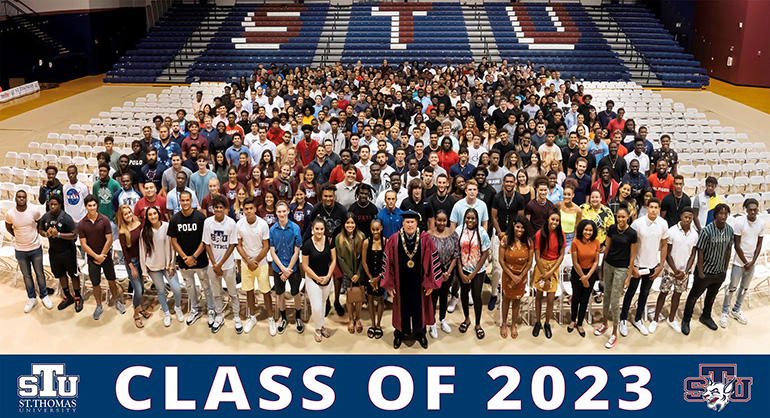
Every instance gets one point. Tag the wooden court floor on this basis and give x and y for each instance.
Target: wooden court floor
(43, 331)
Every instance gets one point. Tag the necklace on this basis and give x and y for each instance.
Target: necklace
(439, 199)
(410, 263)
(508, 203)
(678, 202)
(328, 212)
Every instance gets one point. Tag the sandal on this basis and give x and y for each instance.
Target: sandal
(504, 331)
(480, 333)
(370, 332)
(378, 333)
(144, 313)
(514, 332)
(318, 336)
(359, 326)
(464, 326)
(352, 327)
(138, 322)
(324, 332)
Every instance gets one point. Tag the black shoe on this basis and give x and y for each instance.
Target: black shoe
(536, 329)
(78, 303)
(708, 322)
(686, 327)
(547, 329)
(338, 307)
(282, 326)
(582, 333)
(423, 340)
(64, 303)
(397, 342)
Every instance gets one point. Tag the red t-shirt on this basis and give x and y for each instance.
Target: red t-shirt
(206, 205)
(662, 187)
(306, 152)
(552, 249)
(231, 130)
(143, 203)
(338, 175)
(447, 159)
(275, 136)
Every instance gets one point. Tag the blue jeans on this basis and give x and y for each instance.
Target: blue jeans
(738, 275)
(27, 261)
(136, 282)
(160, 286)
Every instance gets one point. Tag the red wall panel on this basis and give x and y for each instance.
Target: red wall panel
(718, 35)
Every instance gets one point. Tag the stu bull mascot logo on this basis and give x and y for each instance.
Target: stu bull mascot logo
(717, 385)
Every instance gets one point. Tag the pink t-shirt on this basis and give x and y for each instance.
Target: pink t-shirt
(25, 227)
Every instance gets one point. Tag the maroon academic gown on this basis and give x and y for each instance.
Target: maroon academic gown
(431, 276)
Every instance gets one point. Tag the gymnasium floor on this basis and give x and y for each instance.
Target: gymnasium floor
(44, 331)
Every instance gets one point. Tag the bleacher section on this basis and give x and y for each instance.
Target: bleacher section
(658, 47)
(407, 31)
(254, 34)
(145, 63)
(554, 35)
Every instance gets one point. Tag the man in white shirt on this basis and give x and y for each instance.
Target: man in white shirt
(394, 184)
(652, 247)
(74, 191)
(639, 155)
(220, 238)
(259, 146)
(749, 232)
(252, 136)
(253, 245)
(364, 163)
(260, 99)
(336, 135)
(21, 223)
(680, 259)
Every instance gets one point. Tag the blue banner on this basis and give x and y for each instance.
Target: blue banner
(384, 386)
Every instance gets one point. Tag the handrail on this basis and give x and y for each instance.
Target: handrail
(29, 9)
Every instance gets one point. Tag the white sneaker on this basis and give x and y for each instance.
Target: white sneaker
(433, 331)
(611, 342)
(167, 319)
(31, 303)
(47, 302)
(624, 328)
(450, 307)
(271, 326)
(723, 320)
(738, 316)
(250, 323)
(217, 325)
(238, 324)
(445, 326)
(653, 326)
(640, 326)
(675, 326)
(179, 314)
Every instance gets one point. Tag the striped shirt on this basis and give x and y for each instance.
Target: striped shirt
(716, 245)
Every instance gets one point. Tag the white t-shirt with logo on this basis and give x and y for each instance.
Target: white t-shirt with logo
(25, 227)
(749, 233)
(73, 200)
(252, 236)
(219, 236)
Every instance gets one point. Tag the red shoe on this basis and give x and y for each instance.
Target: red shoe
(611, 342)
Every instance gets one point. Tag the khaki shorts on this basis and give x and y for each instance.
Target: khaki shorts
(668, 281)
(261, 275)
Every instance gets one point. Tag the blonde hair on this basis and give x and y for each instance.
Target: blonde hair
(122, 225)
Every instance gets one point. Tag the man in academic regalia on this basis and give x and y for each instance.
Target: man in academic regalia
(412, 272)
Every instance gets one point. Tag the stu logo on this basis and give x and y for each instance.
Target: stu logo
(717, 386)
(47, 390)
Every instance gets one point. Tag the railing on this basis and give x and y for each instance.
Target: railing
(636, 58)
(12, 8)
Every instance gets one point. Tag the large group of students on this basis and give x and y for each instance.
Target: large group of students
(415, 184)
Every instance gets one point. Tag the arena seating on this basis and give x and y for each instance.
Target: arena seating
(554, 35)
(659, 49)
(145, 63)
(403, 31)
(282, 34)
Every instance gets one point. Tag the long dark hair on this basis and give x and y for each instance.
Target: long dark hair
(478, 225)
(147, 230)
(545, 234)
(224, 160)
(510, 233)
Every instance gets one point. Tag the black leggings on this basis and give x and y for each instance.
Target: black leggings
(440, 297)
(580, 296)
(475, 287)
